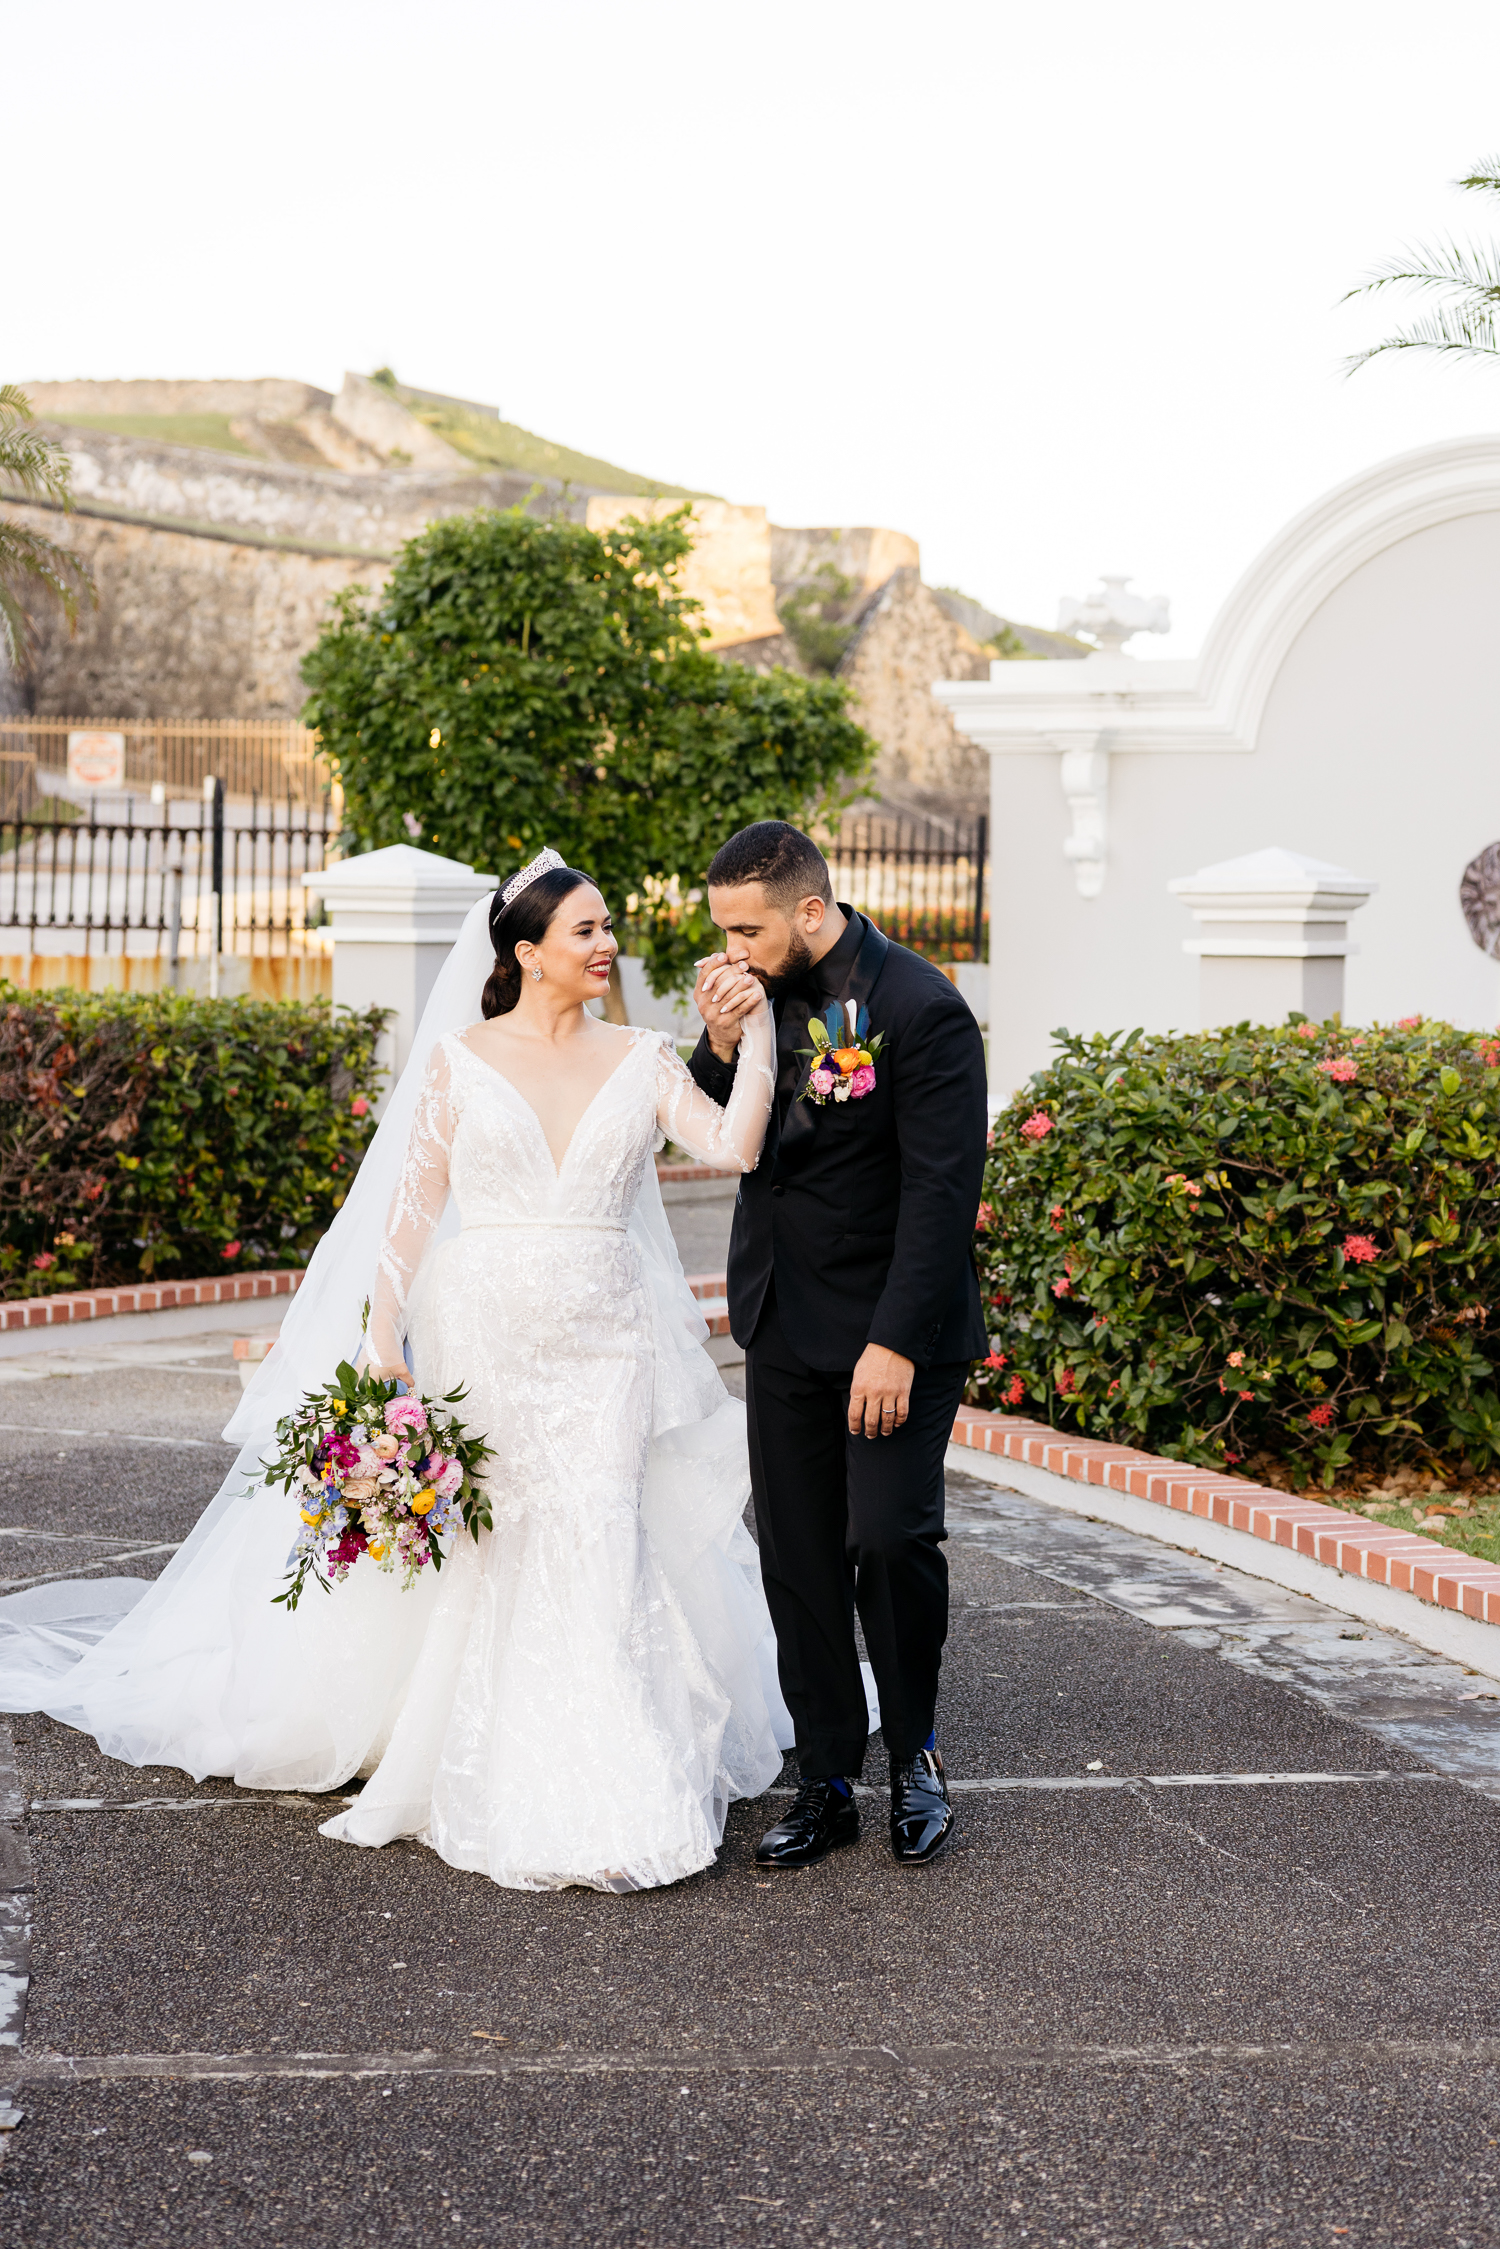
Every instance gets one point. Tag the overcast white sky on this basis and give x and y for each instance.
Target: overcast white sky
(1053, 289)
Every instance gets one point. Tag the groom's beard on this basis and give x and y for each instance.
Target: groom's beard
(790, 969)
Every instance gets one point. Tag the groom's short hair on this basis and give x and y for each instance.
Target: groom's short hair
(787, 864)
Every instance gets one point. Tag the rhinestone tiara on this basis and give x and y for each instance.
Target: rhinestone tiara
(543, 864)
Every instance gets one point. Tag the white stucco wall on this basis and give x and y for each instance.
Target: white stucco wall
(1378, 749)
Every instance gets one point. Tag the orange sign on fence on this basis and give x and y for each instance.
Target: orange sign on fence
(96, 760)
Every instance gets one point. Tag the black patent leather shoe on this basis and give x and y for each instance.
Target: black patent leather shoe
(921, 1815)
(820, 1820)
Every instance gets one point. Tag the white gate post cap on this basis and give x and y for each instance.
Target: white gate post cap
(1272, 885)
(399, 896)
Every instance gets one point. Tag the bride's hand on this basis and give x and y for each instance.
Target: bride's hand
(726, 997)
(391, 1374)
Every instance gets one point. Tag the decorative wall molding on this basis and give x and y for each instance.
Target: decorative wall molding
(1214, 701)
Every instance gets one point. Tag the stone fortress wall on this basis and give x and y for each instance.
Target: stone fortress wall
(215, 559)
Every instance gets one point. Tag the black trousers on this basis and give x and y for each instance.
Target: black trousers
(849, 1523)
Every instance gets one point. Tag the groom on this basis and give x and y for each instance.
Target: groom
(853, 1293)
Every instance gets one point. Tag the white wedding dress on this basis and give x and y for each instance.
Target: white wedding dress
(577, 1697)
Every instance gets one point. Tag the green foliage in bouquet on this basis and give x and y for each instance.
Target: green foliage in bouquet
(374, 1474)
(147, 1135)
(523, 681)
(1252, 1239)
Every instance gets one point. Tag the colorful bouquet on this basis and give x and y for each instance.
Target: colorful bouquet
(843, 1060)
(375, 1474)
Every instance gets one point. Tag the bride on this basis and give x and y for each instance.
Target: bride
(577, 1697)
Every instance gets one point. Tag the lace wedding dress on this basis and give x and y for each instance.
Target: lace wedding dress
(597, 1679)
(577, 1697)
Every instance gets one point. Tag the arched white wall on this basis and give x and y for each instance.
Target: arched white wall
(1376, 745)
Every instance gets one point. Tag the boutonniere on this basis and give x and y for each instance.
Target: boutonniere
(842, 1054)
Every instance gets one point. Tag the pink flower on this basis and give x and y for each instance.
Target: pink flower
(996, 1359)
(1321, 1416)
(1236, 1358)
(1247, 1394)
(359, 1106)
(385, 1448)
(230, 1249)
(1062, 1287)
(1066, 1381)
(411, 824)
(1408, 1022)
(1308, 1030)
(862, 1081)
(1037, 1125)
(1114, 1386)
(1016, 1392)
(1359, 1250)
(1055, 1214)
(450, 1479)
(1489, 1055)
(1342, 1070)
(823, 1082)
(44, 1261)
(985, 1216)
(405, 1413)
(368, 1461)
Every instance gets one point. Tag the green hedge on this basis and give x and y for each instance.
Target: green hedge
(152, 1135)
(1252, 1241)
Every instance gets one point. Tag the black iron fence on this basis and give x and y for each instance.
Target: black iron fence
(219, 885)
(921, 880)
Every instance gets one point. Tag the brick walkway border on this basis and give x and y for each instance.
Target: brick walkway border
(1398, 1559)
(146, 1296)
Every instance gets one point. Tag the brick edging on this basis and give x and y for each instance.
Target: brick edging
(144, 1296)
(1400, 1559)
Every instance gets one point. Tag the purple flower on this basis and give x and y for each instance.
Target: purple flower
(823, 1082)
(862, 1082)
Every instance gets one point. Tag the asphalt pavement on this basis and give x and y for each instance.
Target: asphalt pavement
(1213, 1960)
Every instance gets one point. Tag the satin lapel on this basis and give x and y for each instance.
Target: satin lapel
(802, 1117)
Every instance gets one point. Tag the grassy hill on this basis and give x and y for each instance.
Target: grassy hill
(494, 444)
(210, 431)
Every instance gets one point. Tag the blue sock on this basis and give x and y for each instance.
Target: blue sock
(841, 1785)
(931, 1741)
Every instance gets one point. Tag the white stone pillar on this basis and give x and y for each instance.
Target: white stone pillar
(1275, 935)
(396, 914)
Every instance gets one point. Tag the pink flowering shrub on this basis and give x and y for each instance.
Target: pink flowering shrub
(1244, 1241)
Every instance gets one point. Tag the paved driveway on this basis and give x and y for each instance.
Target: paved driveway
(1213, 1962)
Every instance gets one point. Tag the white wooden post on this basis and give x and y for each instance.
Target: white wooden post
(1275, 935)
(396, 914)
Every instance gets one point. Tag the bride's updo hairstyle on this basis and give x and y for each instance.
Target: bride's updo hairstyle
(525, 921)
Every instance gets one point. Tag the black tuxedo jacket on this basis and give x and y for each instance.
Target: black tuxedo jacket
(863, 1211)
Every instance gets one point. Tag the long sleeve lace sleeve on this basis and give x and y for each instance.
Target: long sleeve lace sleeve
(733, 1134)
(417, 1205)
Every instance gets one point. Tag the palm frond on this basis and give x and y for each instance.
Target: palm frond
(1470, 332)
(26, 556)
(1485, 176)
(37, 464)
(1473, 268)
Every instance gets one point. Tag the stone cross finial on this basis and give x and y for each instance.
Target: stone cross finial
(1110, 615)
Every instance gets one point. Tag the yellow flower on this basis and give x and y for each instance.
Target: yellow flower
(311, 1515)
(424, 1501)
(377, 1553)
(338, 1405)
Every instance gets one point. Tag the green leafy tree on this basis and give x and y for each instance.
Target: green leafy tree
(522, 681)
(33, 467)
(1465, 278)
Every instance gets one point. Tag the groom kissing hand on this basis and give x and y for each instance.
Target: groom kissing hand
(853, 1293)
